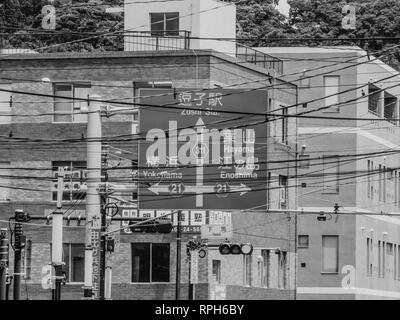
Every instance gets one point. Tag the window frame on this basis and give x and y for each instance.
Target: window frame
(303, 246)
(151, 262)
(69, 276)
(73, 84)
(330, 109)
(164, 32)
(337, 255)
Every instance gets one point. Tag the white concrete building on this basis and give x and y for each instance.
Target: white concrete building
(183, 24)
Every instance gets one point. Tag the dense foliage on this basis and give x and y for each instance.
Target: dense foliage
(258, 22)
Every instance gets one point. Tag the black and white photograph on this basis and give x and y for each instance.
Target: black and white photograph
(199, 155)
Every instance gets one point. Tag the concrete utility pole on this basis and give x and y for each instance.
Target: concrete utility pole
(3, 263)
(103, 245)
(93, 216)
(57, 237)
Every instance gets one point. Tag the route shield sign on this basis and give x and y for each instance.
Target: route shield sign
(199, 151)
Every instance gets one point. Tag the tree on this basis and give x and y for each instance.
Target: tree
(260, 20)
(75, 20)
(323, 19)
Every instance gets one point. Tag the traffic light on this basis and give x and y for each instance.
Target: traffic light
(160, 225)
(235, 248)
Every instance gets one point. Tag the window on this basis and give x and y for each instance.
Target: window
(304, 161)
(164, 24)
(379, 258)
(374, 94)
(383, 259)
(331, 85)
(302, 241)
(380, 182)
(282, 261)
(384, 183)
(369, 191)
(331, 168)
(389, 107)
(74, 259)
(369, 257)
(4, 180)
(283, 192)
(395, 262)
(5, 106)
(247, 263)
(284, 133)
(330, 251)
(150, 262)
(398, 264)
(216, 270)
(395, 188)
(74, 179)
(266, 254)
(67, 110)
(27, 260)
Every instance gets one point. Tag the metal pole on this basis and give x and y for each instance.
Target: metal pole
(190, 295)
(178, 258)
(93, 216)
(57, 237)
(3, 263)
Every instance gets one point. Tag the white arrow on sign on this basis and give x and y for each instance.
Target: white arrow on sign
(163, 188)
(243, 189)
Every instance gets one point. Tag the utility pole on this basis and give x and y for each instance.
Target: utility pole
(93, 216)
(19, 244)
(57, 237)
(3, 263)
(103, 240)
(178, 258)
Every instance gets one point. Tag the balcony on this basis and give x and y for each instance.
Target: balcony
(25, 42)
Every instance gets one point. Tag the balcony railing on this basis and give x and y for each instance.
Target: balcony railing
(157, 40)
(47, 42)
(259, 58)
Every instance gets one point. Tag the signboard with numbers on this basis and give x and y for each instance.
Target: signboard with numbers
(201, 152)
(191, 220)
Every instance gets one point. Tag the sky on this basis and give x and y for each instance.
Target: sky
(283, 7)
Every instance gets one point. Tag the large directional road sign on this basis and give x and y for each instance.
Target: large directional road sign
(195, 155)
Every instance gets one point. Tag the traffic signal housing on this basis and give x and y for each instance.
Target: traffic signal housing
(235, 248)
(160, 225)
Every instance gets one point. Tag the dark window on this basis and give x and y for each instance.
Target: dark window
(164, 23)
(150, 262)
(216, 270)
(74, 259)
(74, 179)
(283, 192)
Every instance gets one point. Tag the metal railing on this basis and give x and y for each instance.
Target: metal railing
(156, 40)
(259, 58)
(47, 42)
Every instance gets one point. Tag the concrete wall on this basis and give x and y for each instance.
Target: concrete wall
(204, 19)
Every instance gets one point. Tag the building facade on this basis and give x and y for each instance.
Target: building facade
(43, 132)
(350, 161)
